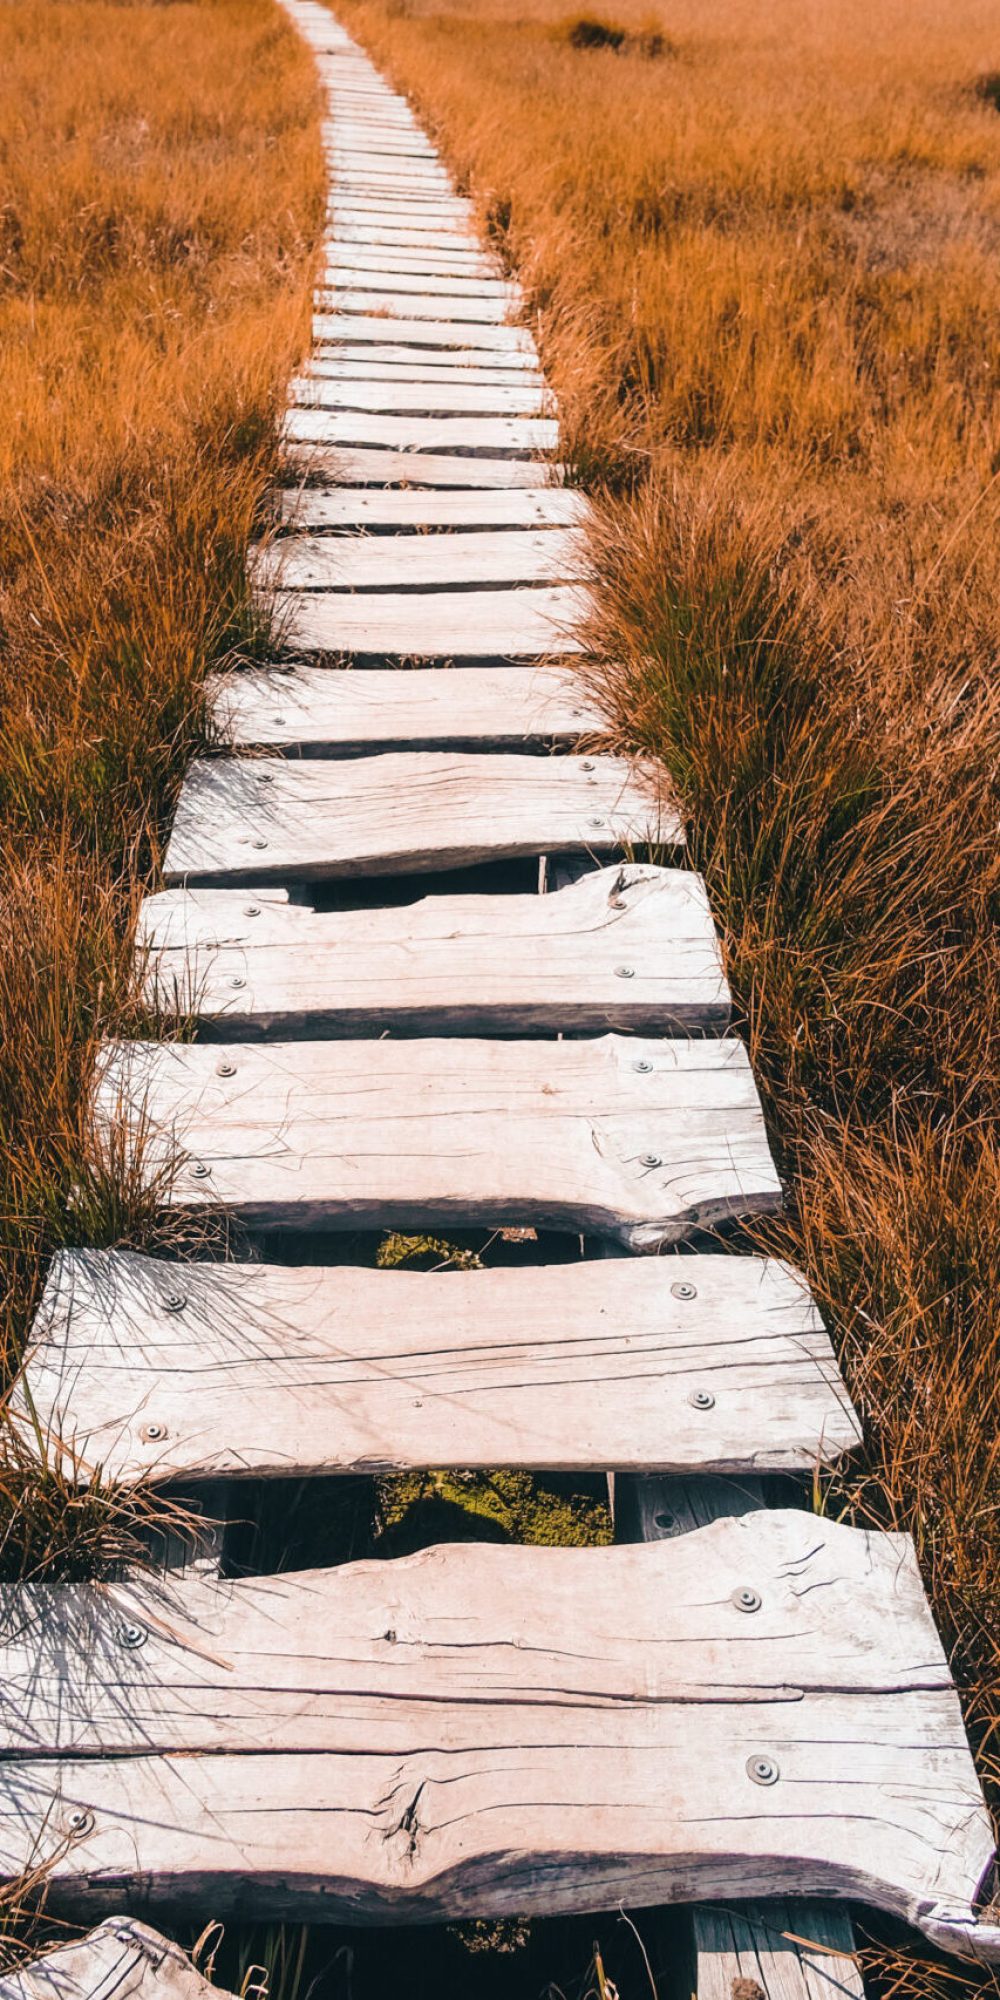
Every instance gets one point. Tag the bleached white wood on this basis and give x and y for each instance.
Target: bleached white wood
(445, 330)
(478, 1730)
(401, 304)
(440, 214)
(393, 507)
(343, 276)
(270, 820)
(375, 233)
(184, 1370)
(490, 435)
(386, 359)
(393, 140)
(120, 1960)
(360, 465)
(448, 964)
(521, 397)
(390, 562)
(434, 1134)
(330, 713)
(464, 263)
(789, 1951)
(435, 624)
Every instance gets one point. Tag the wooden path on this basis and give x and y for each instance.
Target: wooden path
(443, 966)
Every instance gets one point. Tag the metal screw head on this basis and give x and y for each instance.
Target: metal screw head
(278, 721)
(252, 910)
(153, 1433)
(132, 1636)
(79, 1822)
(701, 1399)
(595, 822)
(174, 1302)
(746, 1598)
(258, 843)
(644, 1066)
(586, 765)
(624, 971)
(650, 1160)
(225, 1067)
(200, 1170)
(264, 777)
(682, 1290)
(237, 980)
(763, 1770)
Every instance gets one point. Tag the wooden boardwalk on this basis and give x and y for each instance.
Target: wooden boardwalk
(443, 966)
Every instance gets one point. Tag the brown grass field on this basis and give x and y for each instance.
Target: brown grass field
(161, 196)
(761, 248)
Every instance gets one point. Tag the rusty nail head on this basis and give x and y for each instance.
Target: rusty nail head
(763, 1770)
(746, 1599)
(684, 1291)
(701, 1399)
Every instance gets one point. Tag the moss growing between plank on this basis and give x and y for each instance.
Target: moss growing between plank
(415, 1509)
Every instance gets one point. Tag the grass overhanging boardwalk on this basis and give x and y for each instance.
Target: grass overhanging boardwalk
(738, 1702)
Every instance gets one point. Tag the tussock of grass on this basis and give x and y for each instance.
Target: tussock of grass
(767, 290)
(161, 196)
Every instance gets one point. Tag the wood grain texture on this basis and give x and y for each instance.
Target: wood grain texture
(791, 1951)
(268, 820)
(442, 331)
(183, 1370)
(477, 1730)
(383, 232)
(439, 258)
(323, 712)
(445, 965)
(428, 367)
(120, 1960)
(404, 307)
(539, 621)
(303, 507)
(493, 435)
(424, 562)
(636, 1139)
(345, 276)
(354, 466)
(524, 396)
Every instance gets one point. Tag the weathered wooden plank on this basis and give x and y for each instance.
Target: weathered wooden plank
(435, 1134)
(120, 1960)
(339, 714)
(492, 436)
(395, 507)
(425, 366)
(359, 466)
(391, 562)
(785, 1951)
(269, 820)
(449, 964)
(404, 305)
(463, 262)
(443, 331)
(189, 1371)
(438, 214)
(607, 1721)
(523, 396)
(343, 276)
(436, 624)
(391, 140)
(379, 233)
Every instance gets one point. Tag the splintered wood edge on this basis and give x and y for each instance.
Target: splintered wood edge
(121, 1960)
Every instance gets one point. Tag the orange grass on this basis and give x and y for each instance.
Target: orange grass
(161, 198)
(761, 257)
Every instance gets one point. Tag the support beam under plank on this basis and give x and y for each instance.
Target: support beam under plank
(120, 1960)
